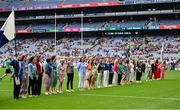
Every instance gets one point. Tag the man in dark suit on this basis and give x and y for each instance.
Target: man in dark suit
(16, 76)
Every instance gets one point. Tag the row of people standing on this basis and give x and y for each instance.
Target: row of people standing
(105, 70)
(57, 71)
(27, 75)
(35, 72)
(117, 71)
(93, 72)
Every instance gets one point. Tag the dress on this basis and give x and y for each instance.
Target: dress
(156, 71)
(54, 65)
(88, 72)
(94, 72)
(138, 72)
(61, 72)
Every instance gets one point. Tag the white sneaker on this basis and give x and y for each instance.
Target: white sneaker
(24, 97)
(110, 85)
(46, 93)
(60, 92)
(54, 92)
(128, 83)
(80, 89)
(30, 96)
(68, 91)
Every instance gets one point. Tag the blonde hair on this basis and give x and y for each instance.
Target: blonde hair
(115, 61)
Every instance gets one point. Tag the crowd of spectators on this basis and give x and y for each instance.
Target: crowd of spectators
(136, 47)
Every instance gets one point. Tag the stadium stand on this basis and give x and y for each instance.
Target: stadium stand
(130, 16)
(116, 23)
(105, 46)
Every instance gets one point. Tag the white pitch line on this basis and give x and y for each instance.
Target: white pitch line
(136, 97)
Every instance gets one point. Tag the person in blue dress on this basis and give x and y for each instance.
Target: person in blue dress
(81, 67)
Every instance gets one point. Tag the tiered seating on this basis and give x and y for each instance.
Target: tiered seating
(105, 46)
(169, 22)
(5, 3)
(43, 2)
(98, 25)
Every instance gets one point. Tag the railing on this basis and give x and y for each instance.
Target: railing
(96, 15)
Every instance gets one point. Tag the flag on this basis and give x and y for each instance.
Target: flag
(7, 32)
(162, 49)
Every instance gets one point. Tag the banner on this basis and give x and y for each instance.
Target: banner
(89, 29)
(61, 6)
(53, 30)
(112, 29)
(40, 17)
(5, 9)
(39, 30)
(133, 28)
(23, 31)
(153, 27)
(170, 26)
(71, 29)
(109, 14)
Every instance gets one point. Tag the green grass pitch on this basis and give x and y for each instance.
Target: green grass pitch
(163, 94)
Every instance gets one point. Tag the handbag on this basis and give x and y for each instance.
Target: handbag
(17, 81)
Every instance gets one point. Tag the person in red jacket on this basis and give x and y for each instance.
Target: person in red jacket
(156, 70)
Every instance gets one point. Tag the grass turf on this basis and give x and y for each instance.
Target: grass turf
(163, 94)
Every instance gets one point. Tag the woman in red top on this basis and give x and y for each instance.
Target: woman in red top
(156, 71)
